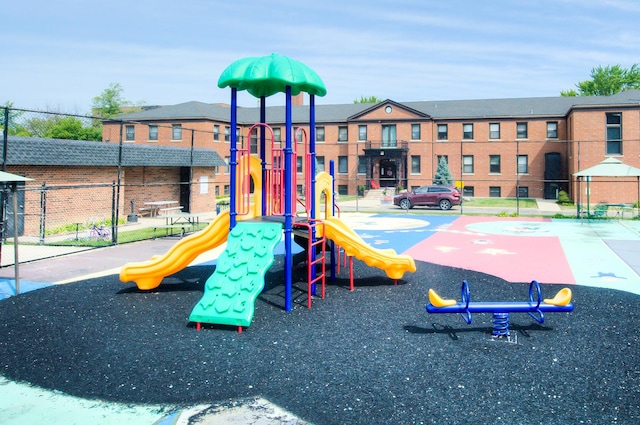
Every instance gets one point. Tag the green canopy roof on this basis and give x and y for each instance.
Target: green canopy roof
(610, 167)
(269, 75)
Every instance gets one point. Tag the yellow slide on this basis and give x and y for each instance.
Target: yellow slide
(393, 264)
(148, 274)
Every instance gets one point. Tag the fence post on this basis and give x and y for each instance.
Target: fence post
(43, 211)
(114, 213)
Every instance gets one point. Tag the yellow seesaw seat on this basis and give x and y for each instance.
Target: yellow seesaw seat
(563, 297)
(437, 301)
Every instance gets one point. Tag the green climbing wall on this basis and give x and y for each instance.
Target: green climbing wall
(231, 291)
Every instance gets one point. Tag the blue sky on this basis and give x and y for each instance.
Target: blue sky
(58, 55)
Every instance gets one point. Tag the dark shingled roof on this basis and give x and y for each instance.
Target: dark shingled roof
(38, 151)
(440, 110)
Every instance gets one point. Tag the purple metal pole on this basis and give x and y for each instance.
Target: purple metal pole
(233, 160)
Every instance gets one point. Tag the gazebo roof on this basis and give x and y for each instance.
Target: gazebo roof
(610, 167)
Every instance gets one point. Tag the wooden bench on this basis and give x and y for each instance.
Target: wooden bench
(170, 209)
(146, 211)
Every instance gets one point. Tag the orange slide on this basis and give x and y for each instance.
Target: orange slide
(148, 274)
(395, 265)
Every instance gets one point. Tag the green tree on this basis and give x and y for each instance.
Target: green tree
(73, 129)
(606, 81)
(111, 102)
(370, 99)
(15, 128)
(443, 175)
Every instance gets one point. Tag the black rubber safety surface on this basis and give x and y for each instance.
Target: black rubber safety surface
(371, 356)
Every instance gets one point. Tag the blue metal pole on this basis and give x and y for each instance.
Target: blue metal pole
(263, 152)
(233, 160)
(288, 228)
(312, 179)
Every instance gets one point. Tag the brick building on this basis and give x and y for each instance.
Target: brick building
(527, 147)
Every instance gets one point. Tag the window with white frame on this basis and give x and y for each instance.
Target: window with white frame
(343, 133)
(362, 132)
(523, 164)
(153, 132)
(614, 133)
(319, 134)
(494, 130)
(415, 164)
(277, 134)
(494, 191)
(415, 132)
(130, 134)
(522, 130)
(227, 133)
(216, 132)
(343, 164)
(467, 164)
(494, 164)
(299, 164)
(443, 132)
(254, 141)
(319, 163)
(176, 132)
(362, 164)
(552, 130)
(467, 131)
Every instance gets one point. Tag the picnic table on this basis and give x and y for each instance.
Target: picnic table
(179, 220)
(155, 208)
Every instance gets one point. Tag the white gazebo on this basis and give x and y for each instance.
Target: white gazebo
(610, 167)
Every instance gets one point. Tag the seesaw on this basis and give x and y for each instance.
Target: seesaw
(535, 308)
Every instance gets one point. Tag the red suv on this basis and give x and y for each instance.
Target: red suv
(433, 196)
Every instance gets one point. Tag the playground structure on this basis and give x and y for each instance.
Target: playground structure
(264, 208)
(536, 308)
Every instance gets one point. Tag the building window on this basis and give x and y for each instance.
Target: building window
(227, 133)
(389, 139)
(494, 164)
(319, 164)
(494, 130)
(468, 191)
(227, 170)
(362, 164)
(415, 132)
(362, 132)
(217, 190)
(467, 131)
(299, 164)
(443, 132)
(277, 134)
(523, 164)
(216, 132)
(494, 191)
(343, 164)
(343, 134)
(226, 189)
(614, 133)
(552, 130)
(343, 189)
(523, 192)
(153, 132)
(467, 164)
(319, 134)
(130, 133)
(176, 132)
(415, 164)
(521, 130)
(253, 143)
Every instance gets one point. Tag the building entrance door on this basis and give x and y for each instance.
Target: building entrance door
(388, 173)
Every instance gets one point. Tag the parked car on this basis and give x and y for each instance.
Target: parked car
(443, 197)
